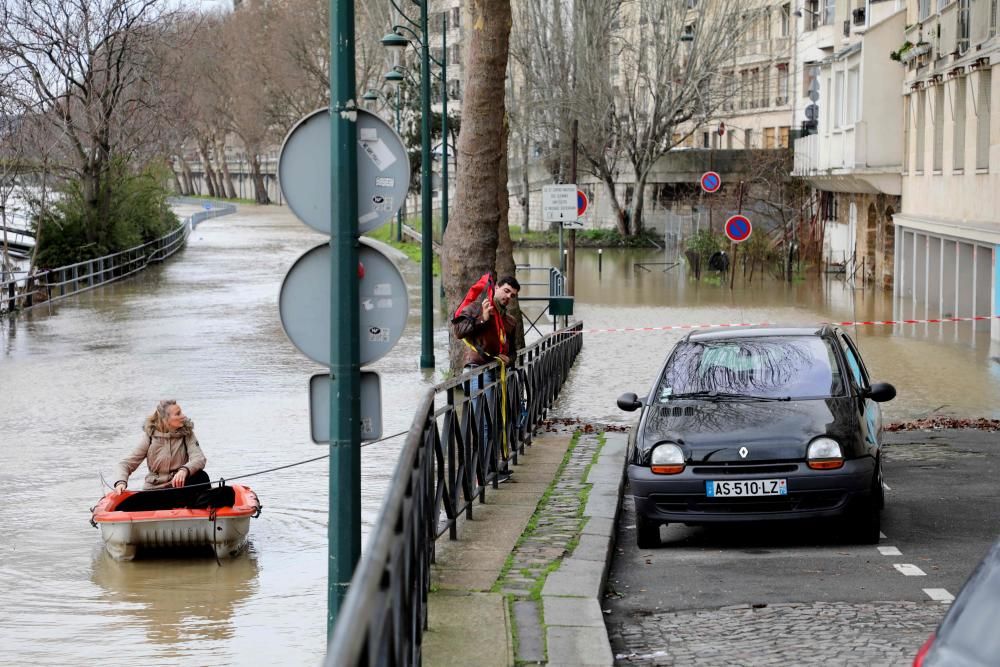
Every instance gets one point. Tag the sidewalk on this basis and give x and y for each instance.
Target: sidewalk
(521, 585)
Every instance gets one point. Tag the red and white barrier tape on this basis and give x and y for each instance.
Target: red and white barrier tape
(678, 327)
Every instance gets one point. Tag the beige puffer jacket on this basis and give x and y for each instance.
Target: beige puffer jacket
(164, 454)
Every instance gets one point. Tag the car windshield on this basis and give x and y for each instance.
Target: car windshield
(766, 367)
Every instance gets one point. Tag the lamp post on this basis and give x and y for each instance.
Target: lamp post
(397, 42)
(375, 96)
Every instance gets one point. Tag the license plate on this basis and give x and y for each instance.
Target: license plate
(746, 487)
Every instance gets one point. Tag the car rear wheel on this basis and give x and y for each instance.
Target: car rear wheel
(647, 532)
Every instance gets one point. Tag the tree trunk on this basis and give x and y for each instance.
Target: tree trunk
(187, 177)
(621, 220)
(638, 202)
(259, 187)
(227, 179)
(178, 188)
(525, 182)
(470, 243)
(209, 172)
(506, 266)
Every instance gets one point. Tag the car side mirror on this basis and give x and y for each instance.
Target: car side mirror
(629, 402)
(880, 392)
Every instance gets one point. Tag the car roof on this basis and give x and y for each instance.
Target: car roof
(760, 331)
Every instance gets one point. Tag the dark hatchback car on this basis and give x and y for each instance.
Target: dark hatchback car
(967, 635)
(757, 424)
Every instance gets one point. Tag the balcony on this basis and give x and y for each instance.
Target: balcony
(858, 16)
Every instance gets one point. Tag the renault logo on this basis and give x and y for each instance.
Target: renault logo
(743, 452)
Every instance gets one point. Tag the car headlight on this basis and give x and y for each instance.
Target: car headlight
(667, 459)
(824, 454)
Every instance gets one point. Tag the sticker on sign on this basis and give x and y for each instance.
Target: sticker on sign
(559, 203)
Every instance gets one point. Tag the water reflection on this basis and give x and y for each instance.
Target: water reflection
(176, 601)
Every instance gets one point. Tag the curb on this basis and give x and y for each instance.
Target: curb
(574, 622)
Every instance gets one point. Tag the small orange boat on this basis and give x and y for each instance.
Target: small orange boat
(224, 529)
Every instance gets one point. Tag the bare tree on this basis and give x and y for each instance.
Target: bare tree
(92, 67)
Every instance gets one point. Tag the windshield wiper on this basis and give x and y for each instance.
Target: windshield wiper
(714, 395)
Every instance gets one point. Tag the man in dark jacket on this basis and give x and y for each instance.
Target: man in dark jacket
(489, 332)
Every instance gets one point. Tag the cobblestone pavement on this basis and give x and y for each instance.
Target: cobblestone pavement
(831, 633)
(557, 526)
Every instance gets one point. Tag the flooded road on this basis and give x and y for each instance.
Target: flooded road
(77, 380)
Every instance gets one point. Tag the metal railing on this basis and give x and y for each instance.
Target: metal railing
(444, 468)
(27, 291)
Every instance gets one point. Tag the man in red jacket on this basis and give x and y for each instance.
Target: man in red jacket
(483, 323)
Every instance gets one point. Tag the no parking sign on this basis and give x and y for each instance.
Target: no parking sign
(711, 181)
(738, 228)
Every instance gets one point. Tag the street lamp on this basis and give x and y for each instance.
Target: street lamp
(376, 96)
(397, 42)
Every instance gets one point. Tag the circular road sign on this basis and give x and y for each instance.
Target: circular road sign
(304, 303)
(738, 228)
(304, 171)
(581, 203)
(711, 181)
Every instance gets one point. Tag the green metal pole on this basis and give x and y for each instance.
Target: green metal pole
(344, 521)
(426, 203)
(444, 129)
(399, 212)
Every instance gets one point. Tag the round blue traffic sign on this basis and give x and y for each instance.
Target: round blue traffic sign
(711, 181)
(738, 228)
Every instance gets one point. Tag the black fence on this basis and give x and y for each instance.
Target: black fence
(465, 434)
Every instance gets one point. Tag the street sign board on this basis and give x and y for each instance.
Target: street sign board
(738, 228)
(581, 203)
(304, 303)
(711, 181)
(304, 171)
(559, 203)
(371, 407)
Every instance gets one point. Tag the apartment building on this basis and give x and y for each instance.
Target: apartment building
(948, 231)
(758, 111)
(851, 113)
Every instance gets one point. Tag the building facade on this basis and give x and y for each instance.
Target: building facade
(948, 231)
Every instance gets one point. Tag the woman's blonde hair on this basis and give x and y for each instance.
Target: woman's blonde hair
(160, 415)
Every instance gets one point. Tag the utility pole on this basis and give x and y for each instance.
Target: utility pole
(571, 246)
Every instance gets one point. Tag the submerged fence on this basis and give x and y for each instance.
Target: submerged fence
(19, 290)
(465, 433)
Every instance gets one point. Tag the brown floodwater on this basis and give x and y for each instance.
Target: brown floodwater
(77, 379)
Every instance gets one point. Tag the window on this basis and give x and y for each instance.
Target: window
(812, 14)
(455, 54)
(938, 155)
(786, 19)
(924, 8)
(958, 141)
(769, 137)
(918, 154)
(796, 366)
(963, 26)
(829, 9)
(993, 18)
(765, 88)
(907, 101)
(456, 18)
(705, 140)
(983, 120)
(852, 108)
(747, 138)
(854, 364)
(838, 93)
(782, 84)
(783, 133)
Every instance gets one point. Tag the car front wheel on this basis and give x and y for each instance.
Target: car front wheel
(647, 532)
(865, 522)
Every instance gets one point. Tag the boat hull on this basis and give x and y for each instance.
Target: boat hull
(224, 530)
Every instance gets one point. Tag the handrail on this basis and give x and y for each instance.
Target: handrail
(443, 468)
(71, 279)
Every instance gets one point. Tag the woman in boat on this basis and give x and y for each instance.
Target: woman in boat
(171, 452)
